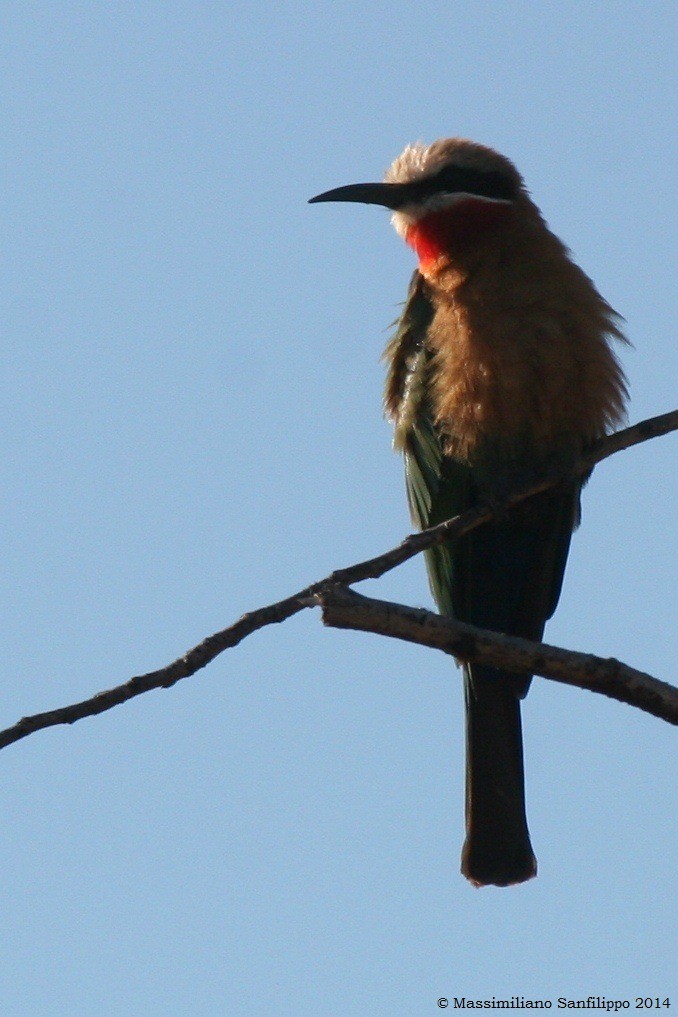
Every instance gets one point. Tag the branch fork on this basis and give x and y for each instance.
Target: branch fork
(344, 608)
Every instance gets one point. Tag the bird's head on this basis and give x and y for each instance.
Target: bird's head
(443, 196)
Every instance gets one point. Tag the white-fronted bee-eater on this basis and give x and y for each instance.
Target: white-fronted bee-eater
(500, 371)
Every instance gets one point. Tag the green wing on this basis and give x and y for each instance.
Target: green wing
(437, 487)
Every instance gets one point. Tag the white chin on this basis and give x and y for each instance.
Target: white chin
(405, 217)
(402, 221)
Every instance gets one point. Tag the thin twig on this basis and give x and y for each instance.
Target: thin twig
(373, 568)
(183, 667)
(415, 543)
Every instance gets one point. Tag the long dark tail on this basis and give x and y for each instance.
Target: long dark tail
(497, 848)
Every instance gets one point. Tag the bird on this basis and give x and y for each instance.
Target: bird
(501, 371)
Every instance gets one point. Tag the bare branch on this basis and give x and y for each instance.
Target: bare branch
(415, 543)
(202, 654)
(644, 430)
(165, 677)
(345, 609)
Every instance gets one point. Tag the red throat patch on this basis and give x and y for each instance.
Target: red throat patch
(436, 237)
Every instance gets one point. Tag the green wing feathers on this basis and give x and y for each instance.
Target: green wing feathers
(437, 486)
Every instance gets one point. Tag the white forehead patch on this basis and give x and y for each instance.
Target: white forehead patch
(418, 160)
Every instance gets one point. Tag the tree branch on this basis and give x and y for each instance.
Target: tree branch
(345, 609)
(202, 654)
(415, 543)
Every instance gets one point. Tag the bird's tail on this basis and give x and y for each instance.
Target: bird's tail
(497, 848)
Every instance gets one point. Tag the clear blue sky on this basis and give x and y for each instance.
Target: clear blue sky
(191, 427)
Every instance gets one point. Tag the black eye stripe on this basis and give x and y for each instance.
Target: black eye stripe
(455, 179)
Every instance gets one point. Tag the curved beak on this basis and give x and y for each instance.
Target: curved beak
(391, 196)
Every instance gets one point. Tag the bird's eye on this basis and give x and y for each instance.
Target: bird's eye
(484, 183)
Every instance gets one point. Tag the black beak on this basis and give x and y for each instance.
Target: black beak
(391, 196)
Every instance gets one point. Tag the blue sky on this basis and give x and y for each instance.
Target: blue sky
(191, 427)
